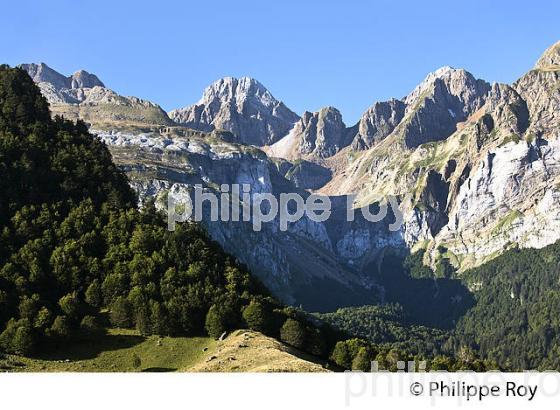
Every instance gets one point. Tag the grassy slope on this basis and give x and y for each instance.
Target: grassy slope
(249, 351)
(114, 353)
(241, 351)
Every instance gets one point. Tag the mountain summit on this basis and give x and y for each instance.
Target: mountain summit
(242, 106)
(550, 59)
(42, 73)
(82, 95)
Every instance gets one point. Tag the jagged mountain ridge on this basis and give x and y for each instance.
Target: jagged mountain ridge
(41, 73)
(474, 166)
(83, 96)
(429, 113)
(498, 169)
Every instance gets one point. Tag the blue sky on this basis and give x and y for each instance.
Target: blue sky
(309, 54)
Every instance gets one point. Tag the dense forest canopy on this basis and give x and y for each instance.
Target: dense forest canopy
(516, 318)
(505, 310)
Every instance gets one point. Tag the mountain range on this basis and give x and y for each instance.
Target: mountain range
(474, 166)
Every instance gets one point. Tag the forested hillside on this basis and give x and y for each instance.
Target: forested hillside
(505, 310)
(515, 320)
(73, 246)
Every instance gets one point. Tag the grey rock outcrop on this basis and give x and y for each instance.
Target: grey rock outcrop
(321, 133)
(445, 98)
(550, 59)
(378, 122)
(42, 73)
(540, 88)
(242, 106)
(83, 96)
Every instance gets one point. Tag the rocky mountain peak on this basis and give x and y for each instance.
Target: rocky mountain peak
(378, 122)
(42, 73)
(321, 133)
(445, 98)
(330, 114)
(83, 79)
(550, 60)
(83, 96)
(428, 81)
(242, 106)
(238, 90)
(456, 81)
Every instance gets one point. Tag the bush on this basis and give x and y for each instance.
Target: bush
(71, 305)
(121, 313)
(362, 360)
(60, 328)
(93, 294)
(90, 327)
(43, 319)
(316, 344)
(143, 322)
(341, 356)
(293, 333)
(18, 337)
(136, 361)
(258, 318)
(215, 324)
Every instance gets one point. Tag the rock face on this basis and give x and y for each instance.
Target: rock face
(378, 122)
(445, 98)
(300, 265)
(431, 112)
(475, 169)
(539, 89)
(321, 133)
(550, 60)
(41, 73)
(242, 106)
(83, 96)
(477, 182)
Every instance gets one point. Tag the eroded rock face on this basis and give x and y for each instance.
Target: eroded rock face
(83, 79)
(242, 106)
(294, 264)
(550, 60)
(540, 88)
(510, 199)
(507, 110)
(484, 186)
(42, 73)
(445, 98)
(378, 122)
(321, 133)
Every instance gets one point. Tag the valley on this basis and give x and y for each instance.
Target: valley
(474, 168)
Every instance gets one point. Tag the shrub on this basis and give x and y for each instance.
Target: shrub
(362, 360)
(60, 328)
(90, 327)
(293, 333)
(257, 317)
(215, 322)
(121, 313)
(341, 356)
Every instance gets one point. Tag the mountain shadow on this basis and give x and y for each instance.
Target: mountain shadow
(429, 301)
